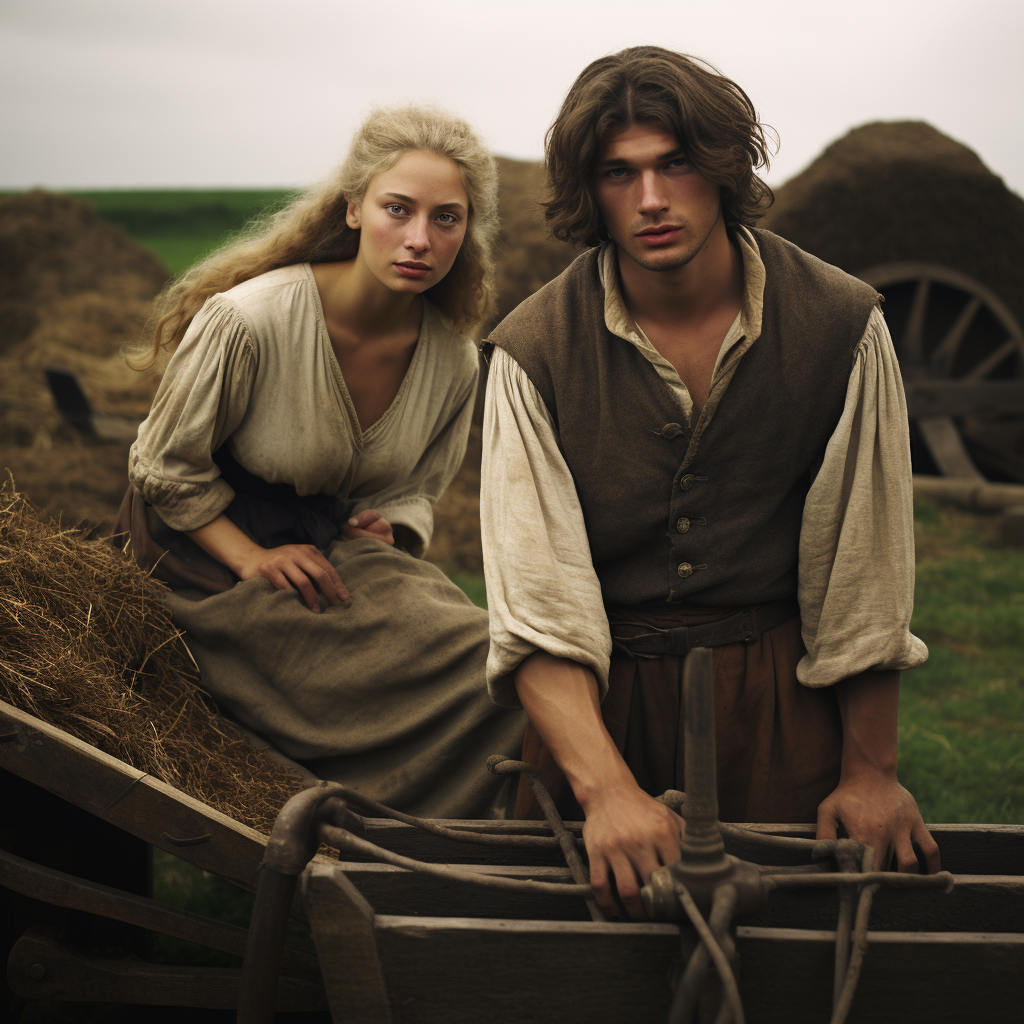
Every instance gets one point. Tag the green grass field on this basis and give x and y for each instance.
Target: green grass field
(181, 226)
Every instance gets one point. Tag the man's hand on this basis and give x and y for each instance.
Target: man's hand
(369, 523)
(875, 809)
(628, 836)
(300, 567)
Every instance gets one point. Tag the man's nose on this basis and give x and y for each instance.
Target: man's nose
(652, 194)
(417, 238)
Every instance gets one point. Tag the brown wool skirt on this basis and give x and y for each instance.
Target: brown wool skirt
(778, 742)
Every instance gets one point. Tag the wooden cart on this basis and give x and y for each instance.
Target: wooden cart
(396, 946)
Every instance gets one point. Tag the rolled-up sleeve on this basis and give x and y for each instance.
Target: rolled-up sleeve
(542, 590)
(202, 398)
(856, 570)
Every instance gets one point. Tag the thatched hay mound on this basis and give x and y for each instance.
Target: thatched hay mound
(528, 257)
(53, 246)
(86, 644)
(73, 290)
(895, 191)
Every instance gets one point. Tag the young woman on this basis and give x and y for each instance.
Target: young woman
(316, 405)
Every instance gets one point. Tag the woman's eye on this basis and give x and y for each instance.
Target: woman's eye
(447, 218)
(395, 208)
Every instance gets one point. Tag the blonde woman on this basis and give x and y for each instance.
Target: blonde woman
(317, 403)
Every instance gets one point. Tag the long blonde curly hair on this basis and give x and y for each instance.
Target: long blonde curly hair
(312, 228)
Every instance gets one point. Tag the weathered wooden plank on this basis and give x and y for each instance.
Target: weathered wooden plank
(40, 967)
(977, 903)
(964, 397)
(63, 890)
(128, 798)
(343, 930)
(443, 970)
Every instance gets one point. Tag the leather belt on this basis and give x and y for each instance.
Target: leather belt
(744, 626)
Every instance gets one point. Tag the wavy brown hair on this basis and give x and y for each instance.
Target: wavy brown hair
(710, 115)
(312, 229)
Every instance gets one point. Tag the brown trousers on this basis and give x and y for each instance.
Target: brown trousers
(778, 742)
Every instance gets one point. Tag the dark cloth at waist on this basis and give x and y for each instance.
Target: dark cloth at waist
(658, 630)
(270, 514)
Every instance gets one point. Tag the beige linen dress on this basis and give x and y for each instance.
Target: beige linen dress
(386, 692)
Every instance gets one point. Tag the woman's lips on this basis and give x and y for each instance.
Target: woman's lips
(659, 236)
(412, 269)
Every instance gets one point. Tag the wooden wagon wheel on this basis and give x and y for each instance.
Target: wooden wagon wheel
(961, 353)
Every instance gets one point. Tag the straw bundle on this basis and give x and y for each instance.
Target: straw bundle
(87, 645)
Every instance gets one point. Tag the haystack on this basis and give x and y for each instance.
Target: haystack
(73, 290)
(897, 191)
(87, 645)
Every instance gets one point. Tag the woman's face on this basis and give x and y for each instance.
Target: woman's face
(412, 221)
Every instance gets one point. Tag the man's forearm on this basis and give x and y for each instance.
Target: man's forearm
(868, 705)
(560, 696)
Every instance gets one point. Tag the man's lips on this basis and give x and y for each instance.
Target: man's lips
(410, 268)
(660, 234)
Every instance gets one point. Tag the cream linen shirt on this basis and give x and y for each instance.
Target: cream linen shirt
(856, 558)
(256, 371)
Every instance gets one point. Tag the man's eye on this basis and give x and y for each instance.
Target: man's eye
(618, 172)
(680, 161)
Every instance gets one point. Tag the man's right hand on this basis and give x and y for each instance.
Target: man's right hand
(628, 835)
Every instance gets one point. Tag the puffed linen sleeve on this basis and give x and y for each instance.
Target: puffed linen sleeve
(542, 590)
(201, 400)
(409, 501)
(856, 570)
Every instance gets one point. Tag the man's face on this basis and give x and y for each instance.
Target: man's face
(656, 207)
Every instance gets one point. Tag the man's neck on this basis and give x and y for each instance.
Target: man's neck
(709, 283)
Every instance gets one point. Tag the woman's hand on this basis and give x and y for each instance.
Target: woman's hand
(300, 567)
(368, 523)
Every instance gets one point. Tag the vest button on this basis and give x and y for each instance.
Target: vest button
(685, 569)
(671, 430)
(683, 524)
(687, 481)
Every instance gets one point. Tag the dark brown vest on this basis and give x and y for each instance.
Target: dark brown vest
(710, 516)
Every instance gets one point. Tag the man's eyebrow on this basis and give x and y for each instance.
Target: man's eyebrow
(412, 202)
(662, 158)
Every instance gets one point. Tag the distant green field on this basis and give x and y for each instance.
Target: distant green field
(181, 225)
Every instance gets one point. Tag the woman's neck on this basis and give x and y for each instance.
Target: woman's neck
(356, 301)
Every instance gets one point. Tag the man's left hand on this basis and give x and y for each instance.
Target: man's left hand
(875, 809)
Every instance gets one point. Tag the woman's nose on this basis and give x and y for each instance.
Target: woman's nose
(417, 238)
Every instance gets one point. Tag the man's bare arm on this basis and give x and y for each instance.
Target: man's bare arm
(628, 834)
(869, 800)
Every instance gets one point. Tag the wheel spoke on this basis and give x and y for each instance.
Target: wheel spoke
(987, 365)
(912, 336)
(942, 358)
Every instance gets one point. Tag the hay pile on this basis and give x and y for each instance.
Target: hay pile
(73, 289)
(895, 191)
(86, 644)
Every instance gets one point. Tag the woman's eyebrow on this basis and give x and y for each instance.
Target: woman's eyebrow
(412, 202)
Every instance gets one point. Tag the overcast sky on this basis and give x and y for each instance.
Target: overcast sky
(132, 93)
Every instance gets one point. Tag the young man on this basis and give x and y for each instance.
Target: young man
(696, 436)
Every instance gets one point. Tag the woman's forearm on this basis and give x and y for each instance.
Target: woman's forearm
(222, 539)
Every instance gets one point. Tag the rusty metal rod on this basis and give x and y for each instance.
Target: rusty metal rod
(498, 765)
(702, 842)
(730, 989)
(940, 880)
(341, 839)
(684, 1002)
